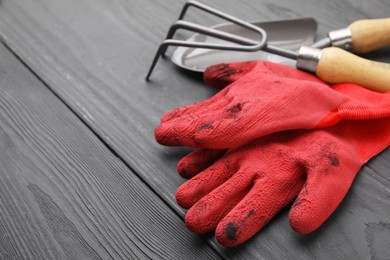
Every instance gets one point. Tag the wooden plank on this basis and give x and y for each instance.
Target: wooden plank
(64, 195)
(94, 54)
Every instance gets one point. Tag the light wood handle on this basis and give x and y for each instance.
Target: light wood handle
(370, 34)
(338, 66)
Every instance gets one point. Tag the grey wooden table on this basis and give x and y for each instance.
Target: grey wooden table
(81, 176)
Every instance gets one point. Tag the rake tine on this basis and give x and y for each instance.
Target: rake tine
(210, 32)
(251, 45)
(165, 44)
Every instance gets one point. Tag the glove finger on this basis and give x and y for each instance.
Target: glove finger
(210, 104)
(202, 184)
(184, 130)
(267, 197)
(221, 75)
(235, 126)
(204, 216)
(197, 161)
(230, 127)
(321, 194)
(219, 129)
(226, 133)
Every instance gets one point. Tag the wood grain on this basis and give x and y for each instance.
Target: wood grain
(64, 195)
(370, 34)
(339, 66)
(94, 55)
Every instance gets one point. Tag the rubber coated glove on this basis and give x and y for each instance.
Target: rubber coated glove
(240, 192)
(264, 98)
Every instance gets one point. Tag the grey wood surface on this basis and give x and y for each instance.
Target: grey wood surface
(64, 194)
(94, 55)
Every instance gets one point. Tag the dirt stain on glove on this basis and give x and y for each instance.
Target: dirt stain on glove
(206, 126)
(231, 228)
(231, 231)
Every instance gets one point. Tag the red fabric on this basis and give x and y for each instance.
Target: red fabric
(198, 161)
(262, 98)
(243, 189)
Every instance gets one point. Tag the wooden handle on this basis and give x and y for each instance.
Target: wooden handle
(338, 66)
(371, 34)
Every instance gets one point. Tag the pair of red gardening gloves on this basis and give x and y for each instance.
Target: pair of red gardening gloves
(272, 136)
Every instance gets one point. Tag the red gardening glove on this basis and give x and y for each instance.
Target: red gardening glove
(240, 192)
(264, 98)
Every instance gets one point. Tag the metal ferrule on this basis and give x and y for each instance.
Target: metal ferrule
(308, 58)
(341, 38)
